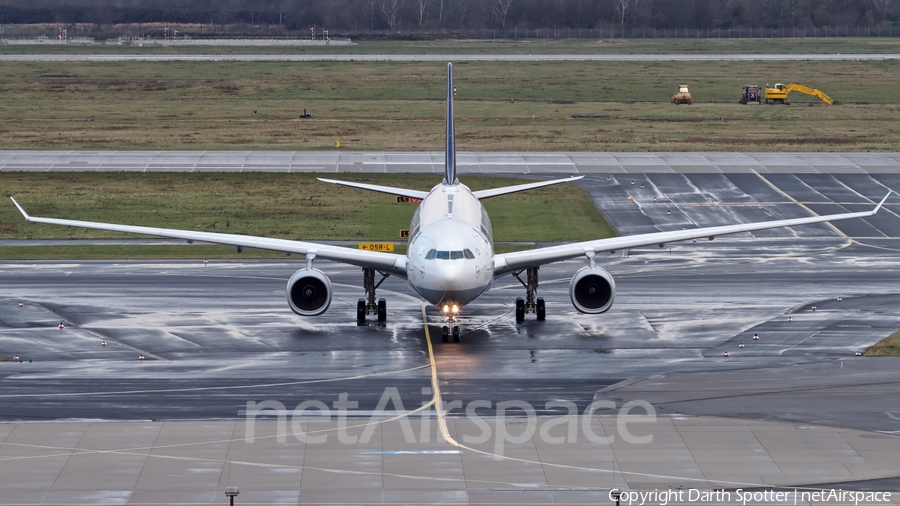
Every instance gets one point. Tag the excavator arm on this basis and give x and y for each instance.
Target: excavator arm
(809, 91)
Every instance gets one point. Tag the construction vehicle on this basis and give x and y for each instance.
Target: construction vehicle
(751, 95)
(683, 96)
(778, 94)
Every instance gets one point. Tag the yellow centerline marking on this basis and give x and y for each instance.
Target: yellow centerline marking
(445, 433)
(795, 201)
(436, 387)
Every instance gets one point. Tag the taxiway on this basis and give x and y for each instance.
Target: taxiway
(800, 407)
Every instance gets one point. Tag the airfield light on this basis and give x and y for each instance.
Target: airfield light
(61, 326)
(231, 492)
(756, 337)
(741, 346)
(141, 358)
(726, 354)
(21, 304)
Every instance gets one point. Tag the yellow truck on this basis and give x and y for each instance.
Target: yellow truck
(778, 94)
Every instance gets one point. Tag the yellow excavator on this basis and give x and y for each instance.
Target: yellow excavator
(778, 94)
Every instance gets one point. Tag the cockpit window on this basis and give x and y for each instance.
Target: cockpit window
(449, 255)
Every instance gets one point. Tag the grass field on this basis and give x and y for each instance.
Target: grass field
(887, 347)
(821, 45)
(400, 106)
(291, 206)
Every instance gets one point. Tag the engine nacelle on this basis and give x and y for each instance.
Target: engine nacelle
(309, 292)
(592, 290)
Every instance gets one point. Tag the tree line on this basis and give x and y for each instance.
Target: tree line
(348, 16)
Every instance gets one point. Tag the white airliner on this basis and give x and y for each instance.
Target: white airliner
(450, 260)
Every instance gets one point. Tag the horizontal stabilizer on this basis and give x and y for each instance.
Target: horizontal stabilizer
(402, 192)
(495, 192)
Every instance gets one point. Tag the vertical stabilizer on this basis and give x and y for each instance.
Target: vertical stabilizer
(450, 154)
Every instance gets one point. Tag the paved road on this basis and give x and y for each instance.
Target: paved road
(433, 162)
(450, 57)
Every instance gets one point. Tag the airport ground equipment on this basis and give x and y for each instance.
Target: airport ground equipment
(778, 94)
(683, 96)
(750, 95)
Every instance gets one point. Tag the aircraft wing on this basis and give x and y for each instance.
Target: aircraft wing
(386, 262)
(508, 262)
(496, 192)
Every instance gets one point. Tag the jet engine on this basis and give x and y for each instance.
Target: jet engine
(592, 290)
(309, 292)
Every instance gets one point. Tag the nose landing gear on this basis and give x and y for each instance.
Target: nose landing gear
(369, 305)
(530, 304)
(447, 331)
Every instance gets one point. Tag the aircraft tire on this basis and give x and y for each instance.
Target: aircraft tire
(382, 310)
(361, 310)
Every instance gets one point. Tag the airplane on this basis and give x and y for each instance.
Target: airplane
(450, 260)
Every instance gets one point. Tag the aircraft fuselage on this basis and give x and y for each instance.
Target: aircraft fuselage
(450, 259)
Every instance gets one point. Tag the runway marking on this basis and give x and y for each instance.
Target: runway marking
(206, 389)
(885, 248)
(436, 401)
(435, 386)
(795, 201)
(445, 433)
(770, 204)
(98, 334)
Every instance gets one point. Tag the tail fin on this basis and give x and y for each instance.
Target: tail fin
(450, 155)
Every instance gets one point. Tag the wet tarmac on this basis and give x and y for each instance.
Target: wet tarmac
(219, 336)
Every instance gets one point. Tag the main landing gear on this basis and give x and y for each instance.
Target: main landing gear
(368, 305)
(529, 304)
(447, 331)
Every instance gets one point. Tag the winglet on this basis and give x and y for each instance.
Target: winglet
(882, 202)
(28, 218)
(450, 154)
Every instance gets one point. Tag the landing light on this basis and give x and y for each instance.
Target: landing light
(455, 308)
(446, 308)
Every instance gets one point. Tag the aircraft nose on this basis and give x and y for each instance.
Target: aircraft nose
(450, 275)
